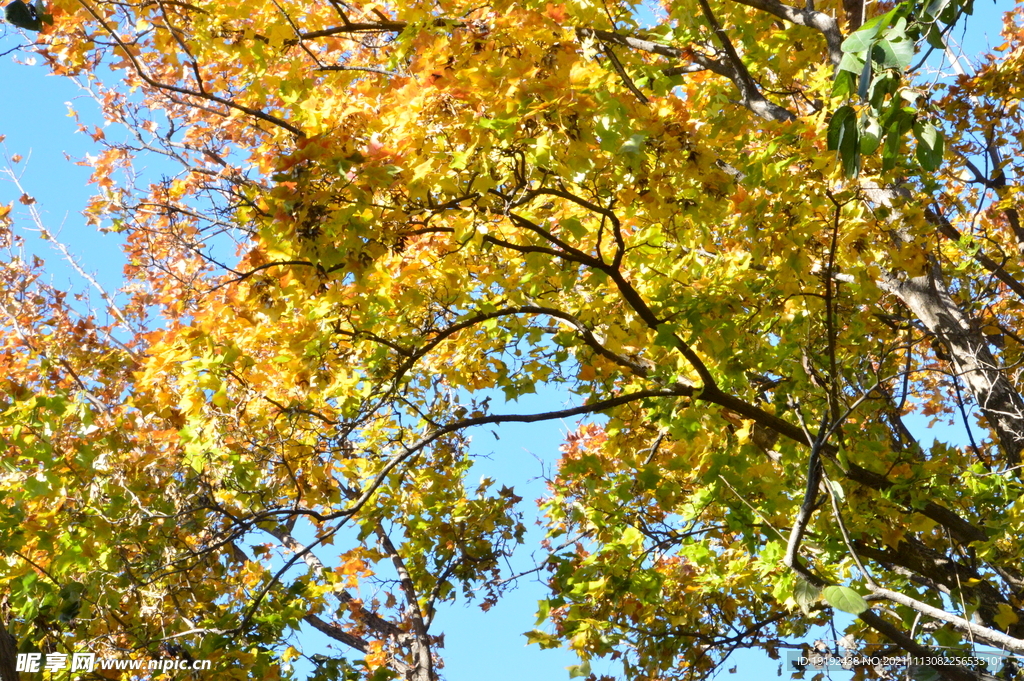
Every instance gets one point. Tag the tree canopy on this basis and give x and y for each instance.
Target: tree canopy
(751, 239)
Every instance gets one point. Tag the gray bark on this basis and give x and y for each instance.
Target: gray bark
(929, 300)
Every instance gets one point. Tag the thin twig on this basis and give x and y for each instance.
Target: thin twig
(617, 65)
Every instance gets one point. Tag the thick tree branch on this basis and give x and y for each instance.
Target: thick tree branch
(375, 622)
(890, 631)
(337, 633)
(820, 21)
(803, 517)
(930, 301)
(984, 634)
(750, 93)
(947, 230)
(420, 643)
(8, 653)
(939, 569)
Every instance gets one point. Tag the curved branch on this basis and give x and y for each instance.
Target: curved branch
(149, 80)
(588, 337)
(820, 21)
(947, 230)
(678, 390)
(750, 94)
(893, 633)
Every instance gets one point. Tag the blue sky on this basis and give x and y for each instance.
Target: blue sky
(37, 127)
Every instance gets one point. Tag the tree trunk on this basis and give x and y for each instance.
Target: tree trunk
(8, 657)
(929, 300)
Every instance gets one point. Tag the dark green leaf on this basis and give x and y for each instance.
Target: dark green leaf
(891, 148)
(934, 37)
(843, 84)
(849, 148)
(882, 85)
(23, 16)
(851, 156)
(837, 125)
(935, 8)
(865, 80)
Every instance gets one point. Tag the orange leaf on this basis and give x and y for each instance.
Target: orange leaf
(556, 12)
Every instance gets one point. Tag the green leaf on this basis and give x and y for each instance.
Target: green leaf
(893, 140)
(934, 37)
(805, 594)
(843, 84)
(837, 490)
(865, 80)
(543, 610)
(870, 134)
(934, 8)
(1005, 617)
(929, 146)
(895, 53)
(837, 125)
(860, 40)
(875, 24)
(849, 148)
(883, 85)
(580, 670)
(633, 145)
(665, 336)
(844, 598)
(543, 639)
(851, 63)
(383, 674)
(23, 16)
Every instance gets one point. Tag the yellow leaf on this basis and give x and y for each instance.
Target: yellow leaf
(1006, 617)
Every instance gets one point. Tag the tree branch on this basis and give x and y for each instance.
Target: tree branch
(984, 634)
(750, 94)
(820, 21)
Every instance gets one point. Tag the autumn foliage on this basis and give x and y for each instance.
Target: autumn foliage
(750, 239)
